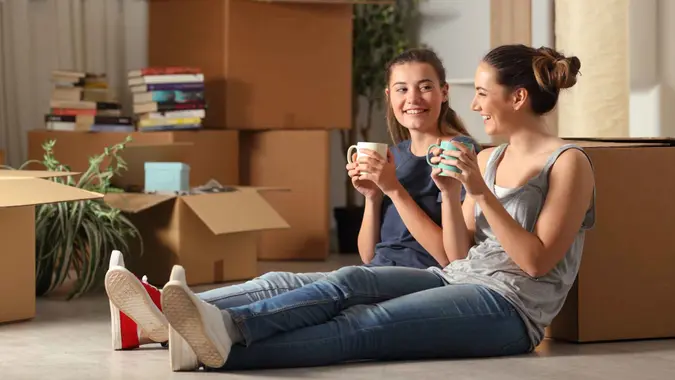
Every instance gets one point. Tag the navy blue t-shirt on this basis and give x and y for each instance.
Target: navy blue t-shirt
(397, 246)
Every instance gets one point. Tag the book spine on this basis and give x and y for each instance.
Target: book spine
(60, 118)
(72, 111)
(170, 70)
(179, 106)
(170, 127)
(199, 113)
(177, 96)
(112, 128)
(169, 121)
(177, 78)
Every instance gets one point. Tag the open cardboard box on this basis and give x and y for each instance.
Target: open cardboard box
(214, 235)
(21, 192)
(625, 283)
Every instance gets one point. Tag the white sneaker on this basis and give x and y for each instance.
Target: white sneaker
(181, 356)
(134, 308)
(199, 323)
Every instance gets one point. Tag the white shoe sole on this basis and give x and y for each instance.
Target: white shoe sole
(127, 294)
(201, 327)
(115, 327)
(181, 356)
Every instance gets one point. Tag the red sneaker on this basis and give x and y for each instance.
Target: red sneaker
(135, 308)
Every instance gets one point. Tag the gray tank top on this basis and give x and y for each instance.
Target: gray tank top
(537, 300)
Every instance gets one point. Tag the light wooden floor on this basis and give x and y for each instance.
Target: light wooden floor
(71, 340)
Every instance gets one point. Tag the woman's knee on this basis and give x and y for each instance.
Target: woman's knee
(349, 277)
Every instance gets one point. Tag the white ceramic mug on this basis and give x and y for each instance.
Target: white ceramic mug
(380, 148)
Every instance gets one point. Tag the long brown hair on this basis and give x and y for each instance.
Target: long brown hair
(449, 122)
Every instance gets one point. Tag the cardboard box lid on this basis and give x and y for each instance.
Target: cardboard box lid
(234, 211)
(9, 174)
(33, 191)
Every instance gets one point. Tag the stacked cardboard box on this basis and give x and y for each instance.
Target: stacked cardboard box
(82, 101)
(280, 73)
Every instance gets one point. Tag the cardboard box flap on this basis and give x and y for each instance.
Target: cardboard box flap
(34, 174)
(34, 191)
(235, 211)
(135, 202)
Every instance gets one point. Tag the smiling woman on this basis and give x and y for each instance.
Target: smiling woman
(421, 73)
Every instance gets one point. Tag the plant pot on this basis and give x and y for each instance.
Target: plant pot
(348, 221)
(62, 291)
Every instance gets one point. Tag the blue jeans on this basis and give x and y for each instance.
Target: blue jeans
(266, 286)
(376, 313)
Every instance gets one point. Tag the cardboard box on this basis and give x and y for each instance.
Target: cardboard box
(214, 236)
(213, 154)
(625, 284)
(299, 161)
(267, 64)
(21, 191)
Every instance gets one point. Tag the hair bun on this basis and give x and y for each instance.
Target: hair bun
(554, 71)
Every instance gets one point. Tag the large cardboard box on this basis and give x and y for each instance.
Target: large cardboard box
(267, 64)
(212, 154)
(299, 161)
(21, 192)
(625, 285)
(214, 236)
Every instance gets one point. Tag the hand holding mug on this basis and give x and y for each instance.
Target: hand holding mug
(458, 161)
(379, 169)
(445, 183)
(367, 188)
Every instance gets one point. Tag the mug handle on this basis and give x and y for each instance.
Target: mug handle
(349, 153)
(432, 146)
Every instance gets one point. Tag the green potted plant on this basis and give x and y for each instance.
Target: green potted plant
(74, 239)
(380, 32)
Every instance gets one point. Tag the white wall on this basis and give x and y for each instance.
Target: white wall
(645, 89)
(459, 32)
(652, 68)
(666, 65)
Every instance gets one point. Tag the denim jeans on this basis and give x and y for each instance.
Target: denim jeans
(266, 286)
(375, 313)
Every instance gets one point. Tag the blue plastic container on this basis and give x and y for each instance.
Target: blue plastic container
(167, 176)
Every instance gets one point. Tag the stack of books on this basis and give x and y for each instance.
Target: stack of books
(82, 101)
(168, 98)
